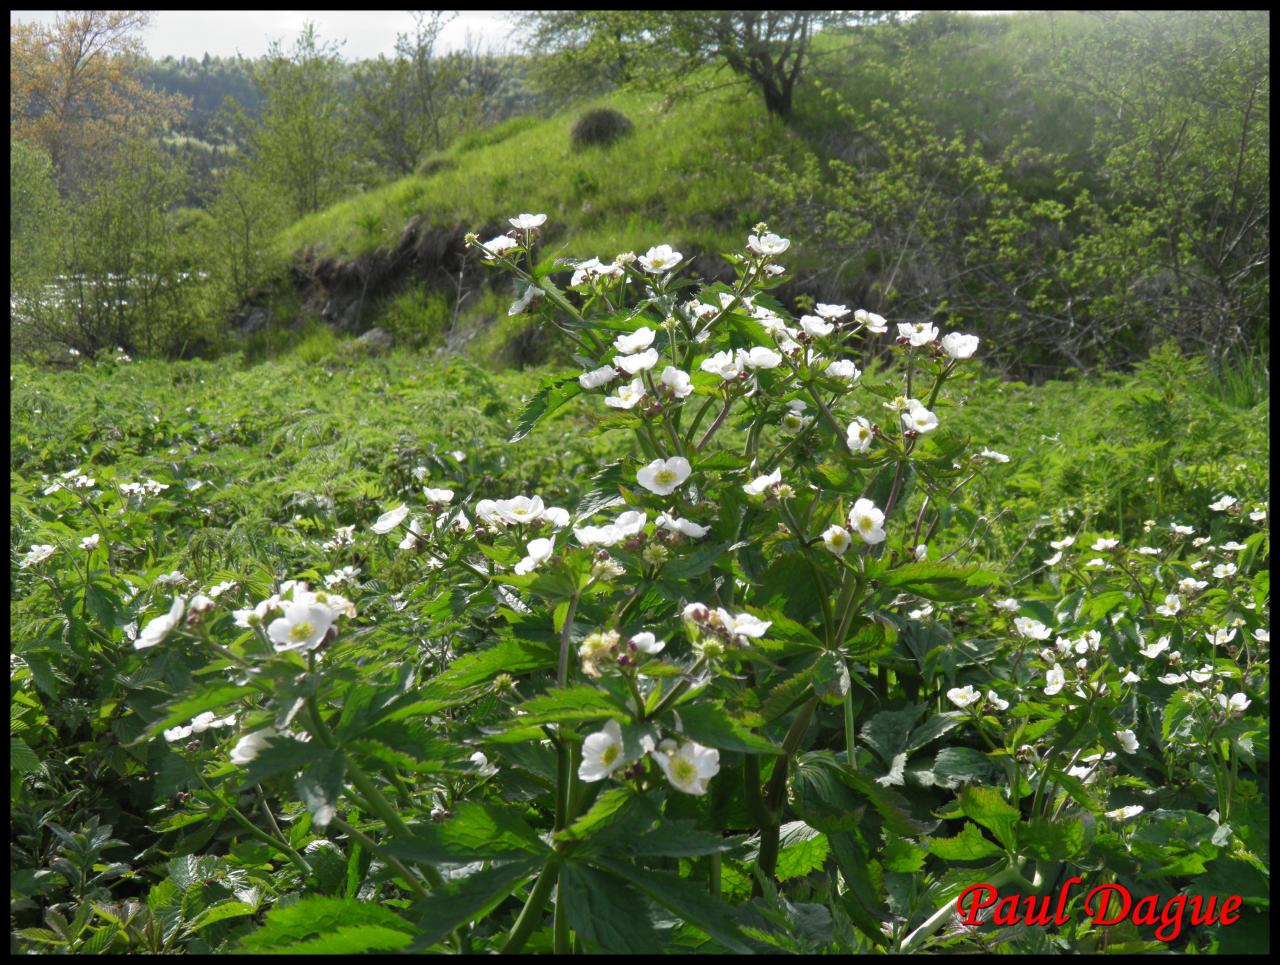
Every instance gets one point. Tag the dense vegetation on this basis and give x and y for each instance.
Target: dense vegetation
(648, 582)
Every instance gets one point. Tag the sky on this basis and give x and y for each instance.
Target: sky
(368, 33)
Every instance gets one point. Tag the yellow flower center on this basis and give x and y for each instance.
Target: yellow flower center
(683, 772)
(664, 477)
(610, 754)
(301, 630)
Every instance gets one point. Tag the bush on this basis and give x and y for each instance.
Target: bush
(600, 128)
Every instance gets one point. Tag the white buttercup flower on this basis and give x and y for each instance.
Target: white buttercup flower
(685, 527)
(743, 624)
(1128, 740)
(527, 222)
(725, 364)
(918, 333)
(627, 396)
(660, 258)
(664, 476)
(867, 521)
(637, 363)
(250, 746)
(158, 628)
(636, 341)
(598, 377)
(758, 485)
(836, 539)
(1236, 704)
(677, 381)
(1032, 629)
(860, 435)
(602, 753)
(690, 768)
(959, 346)
(539, 552)
(963, 696)
(816, 326)
(769, 244)
(872, 322)
(302, 627)
(760, 357)
(390, 520)
(499, 245)
(1055, 680)
(843, 369)
(919, 419)
(831, 312)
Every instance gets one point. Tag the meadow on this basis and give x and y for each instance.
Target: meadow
(305, 656)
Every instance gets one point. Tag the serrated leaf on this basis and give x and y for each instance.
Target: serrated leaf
(941, 582)
(987, 806)
(467, 900)
(606, 912)
(321, 925)
(710, 723)
(968, 845)
(476, 832)
(551, 395)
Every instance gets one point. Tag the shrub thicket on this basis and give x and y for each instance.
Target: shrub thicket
(600, 127)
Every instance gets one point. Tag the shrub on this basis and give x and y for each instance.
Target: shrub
(600, 128)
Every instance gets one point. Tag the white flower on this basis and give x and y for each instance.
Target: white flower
(1223, 503)
(1031, 629)
(690, 768)
(919, 419)
(996, 701)
(409, 542)
(527, 222)
(1258, 515)
(1262, 635)
(390, 520)
(794, 419)
(251, 745)
(1130, 677)
(660, 258)
(1055, 680)
(918, 333)
(867, 521)
(38, 553)
(525, 300)
(1102, 544)
(1235, 704)
(843, 369)
(1224, 571)
(664, 476)
(760, 357)
(627, 396)
(959, 346)
(1147, 551)
(598, 377)
(158, 628)
(602, 753)
(1171, 607)
(758, 485)
(1203, 675)
(640, 362)
(607, 535)
(1125, 813)
(203, 722)
(743, 624)
(860, 435)
(1179, 530)
(686, 527)
(499, 245)
(1009, 605)
(1128, 740)
(1061, 544)
(519, 510)
(181, 732)
(677, 381)
(921, 553)
(636, 341)
(1189, 585)
(347, 574)
(724, 364)
(481, 763)
(836, 539)
(1097, 562)
(1172, 678)
(769, 244)
(172, 578)
(873, 322)
(200, 604)
(438, 495)
(221, 588)
(539, 552)
(1221, 637)
(993, 455)
(963, 696)
(816, 326)
(1054, 560)
(302, 626)
(1231, 546)
(647, 643)
(631, 522)
(831, 312)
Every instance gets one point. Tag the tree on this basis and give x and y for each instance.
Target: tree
(304, 145)
(76, 91)
(666, 48)
(35, 220)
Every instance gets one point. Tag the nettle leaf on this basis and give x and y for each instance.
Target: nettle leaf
(476, 832)
(553, 393)
(320, 784)
(280, 755)
(688, 900)
(710, 723)
(679, 839)
(941, 582)
(801, 850)
(987, 806)
(582, 702)
(830, 677)
(467, 900)
(607, 913)
(871, 638)
(820, 797)
(901, 855)
(887, 732)
(956, 766)
(329, 926)
(512, 655)
(618, 806)
(695, 563)
(968, 845)
(1052, 840)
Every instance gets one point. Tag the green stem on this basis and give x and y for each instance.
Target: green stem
(531, 913)
(367, 842)
(850, 730)
(769, 834)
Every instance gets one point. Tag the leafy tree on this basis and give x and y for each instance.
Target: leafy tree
(76, 88)
(35, 218)
(304, 144)
(768, 49)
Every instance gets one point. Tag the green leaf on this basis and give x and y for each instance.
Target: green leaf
(955, 766)
(607, 913)
(830, 678)
(862, 898)
(1051, 840)
(687, 900)
(942, 582)
(221, 912)
(710, 723)
(214, 698)
(801, 850)
(551, 395)
(22, 758)
(887, 731)
(820, 796)
(968, 845)
(512, 655)
(319, 925)
(901, 855)
(476, 832)
(582, 702)
(695, 563)
(618, 805)
(467, 900)
(320, 784)
(987, 806)
(281, 755)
